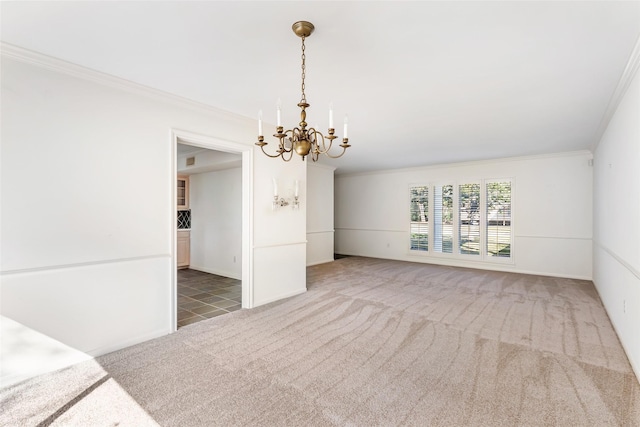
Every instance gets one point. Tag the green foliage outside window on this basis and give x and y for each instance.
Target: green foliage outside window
(419, 218)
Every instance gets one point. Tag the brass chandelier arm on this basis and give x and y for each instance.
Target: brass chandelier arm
(290, 155)
(325, 150)
(267, 154)
(282, 150)
(281, 153)
(305, 142)
(344, 150)
(261, 144)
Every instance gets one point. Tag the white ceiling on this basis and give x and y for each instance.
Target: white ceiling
(422, 82)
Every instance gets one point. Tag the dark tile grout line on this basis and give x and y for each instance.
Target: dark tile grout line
(205, 286)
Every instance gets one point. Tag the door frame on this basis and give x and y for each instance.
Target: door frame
(211, 143)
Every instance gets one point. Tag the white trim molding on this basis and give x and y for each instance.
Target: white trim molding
(40, 60)
(621, 89)
(587, 153)
(80, 265)
(212, 143)
(618, 258)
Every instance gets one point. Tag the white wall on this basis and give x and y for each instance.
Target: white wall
(87, 212)
(616, 237)
(320, 232)
(551, 199)
(216, 222)
(279, 235)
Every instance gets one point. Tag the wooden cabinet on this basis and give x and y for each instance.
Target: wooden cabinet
(184, 249)
(183, 192)
(184, 236)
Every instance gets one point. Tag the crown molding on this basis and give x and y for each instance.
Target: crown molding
(587, 154)
(620, 91)
(17, 53)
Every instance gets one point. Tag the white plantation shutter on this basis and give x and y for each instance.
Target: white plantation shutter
(469, 219)
(443, 218)
(499, 219)
(419, 210)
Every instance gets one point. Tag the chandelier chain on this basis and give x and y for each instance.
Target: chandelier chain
(304, 97)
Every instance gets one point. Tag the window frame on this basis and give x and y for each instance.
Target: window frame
(496, 259)
(481, 225)
(454, 214)
(429, 219)
(456, 254)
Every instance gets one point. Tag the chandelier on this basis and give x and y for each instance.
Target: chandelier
(305, 142)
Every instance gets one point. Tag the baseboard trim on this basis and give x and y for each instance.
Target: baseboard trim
(279, 297)
(216, 272)
(320, 262)
(502, 267)
(128, 342)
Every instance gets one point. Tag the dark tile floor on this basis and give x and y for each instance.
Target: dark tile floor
(203, 296)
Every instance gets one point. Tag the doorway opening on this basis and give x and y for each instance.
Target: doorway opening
(211, 239)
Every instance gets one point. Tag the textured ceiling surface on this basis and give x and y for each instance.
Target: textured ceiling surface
(422, 82)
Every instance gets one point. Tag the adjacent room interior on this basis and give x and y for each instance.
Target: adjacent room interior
(209, 233)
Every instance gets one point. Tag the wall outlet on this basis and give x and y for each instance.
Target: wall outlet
(624, 306)
(234, 258)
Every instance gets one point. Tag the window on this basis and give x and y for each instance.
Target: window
(499, 219)
(443, 219)
(469, 219)
(419, 218)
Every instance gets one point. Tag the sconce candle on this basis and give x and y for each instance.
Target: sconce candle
(260, 123)
(279, 202)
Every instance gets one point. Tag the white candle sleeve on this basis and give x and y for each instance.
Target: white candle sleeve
(346, 122)
(278, 114)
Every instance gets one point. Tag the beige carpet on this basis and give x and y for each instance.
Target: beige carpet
(373, 342)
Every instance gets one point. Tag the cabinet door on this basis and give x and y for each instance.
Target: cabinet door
(184, 249)
(183, 192)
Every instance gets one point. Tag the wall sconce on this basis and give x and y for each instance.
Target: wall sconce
(279, 201)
